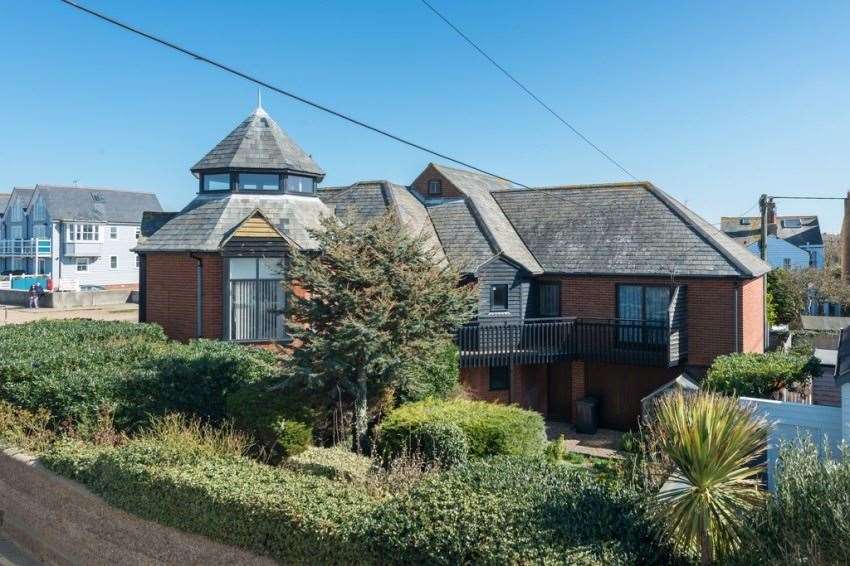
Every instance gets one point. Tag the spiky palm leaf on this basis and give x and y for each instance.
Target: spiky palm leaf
(711, 443)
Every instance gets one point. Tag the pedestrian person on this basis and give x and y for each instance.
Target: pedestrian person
(32, 295)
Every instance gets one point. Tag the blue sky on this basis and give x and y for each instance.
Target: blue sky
(714, 102)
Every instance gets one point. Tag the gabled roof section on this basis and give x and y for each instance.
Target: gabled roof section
(799, 230)
(83, 204)
(743, 229)
(622, 228)
(366, 201)
(4, 200)
(258, 143)
(478, 189)
(205, 221)
(22, 193)
(256, 226)
(463, 241)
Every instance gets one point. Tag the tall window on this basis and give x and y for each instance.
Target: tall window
(217, 182)
(435, 187)
(642, 313)
(498, 298)
(113, 262)
(300, 184)
(259, 181)
(113, 232)
(548, 299)
(257, 299)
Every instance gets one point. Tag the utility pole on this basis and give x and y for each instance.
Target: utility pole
(763, 203)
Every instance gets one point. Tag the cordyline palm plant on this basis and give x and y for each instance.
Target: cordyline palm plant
(709, 444)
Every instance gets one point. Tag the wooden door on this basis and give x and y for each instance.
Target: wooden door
(559, 392)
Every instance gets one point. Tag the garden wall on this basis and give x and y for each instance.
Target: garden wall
(60, 522)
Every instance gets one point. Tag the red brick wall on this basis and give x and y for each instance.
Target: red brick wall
(752, 315)
(170, 287)
(711, 310)
(420, 185)
(477, 382)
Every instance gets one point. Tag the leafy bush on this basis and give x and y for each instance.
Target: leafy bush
(75, 368)
(25, 429)
(333, 463)
(435, 375)
(807, 519)
(507, 510)
(490, 429)
(760, 375)
(438, 443)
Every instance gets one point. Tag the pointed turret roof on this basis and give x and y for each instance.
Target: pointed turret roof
(258, 143)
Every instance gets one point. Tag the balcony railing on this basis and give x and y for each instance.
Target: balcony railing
(25, 248)
(537, 341)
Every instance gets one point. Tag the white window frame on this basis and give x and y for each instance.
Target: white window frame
(113, 232)
(435, 183)
(82, 262)
(83, 233)
(115, 267)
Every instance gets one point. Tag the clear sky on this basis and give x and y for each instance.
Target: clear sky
(715, 102)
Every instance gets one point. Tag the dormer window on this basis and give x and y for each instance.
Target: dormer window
(217, 182)
(259, 182)
(745, 221)
(791, 223)
(435, 187)
(300, 184)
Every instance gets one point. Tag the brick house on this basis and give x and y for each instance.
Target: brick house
(605, 290)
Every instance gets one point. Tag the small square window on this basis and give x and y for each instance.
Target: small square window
(500, 378)
(113, 232)
(435, 187)
(745, 221)
(82, 264)
(786, 263)
(113, 262)
(498, 298)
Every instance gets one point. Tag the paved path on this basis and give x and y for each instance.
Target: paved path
(11, 555)
(18, 315)
(604, 444)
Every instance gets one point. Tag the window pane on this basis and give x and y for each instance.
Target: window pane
(499, 298)
(499, 378)
(271, 268)
(217, 182)
(548, 298)
(243, 268)
(299, 184)
(629, 303)
(259, 181)
(657, 302)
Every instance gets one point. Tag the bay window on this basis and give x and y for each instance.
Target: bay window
(642, 314)
(83, 233)
(257, 299)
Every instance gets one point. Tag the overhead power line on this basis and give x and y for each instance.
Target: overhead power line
(241, 74)
(528, 91)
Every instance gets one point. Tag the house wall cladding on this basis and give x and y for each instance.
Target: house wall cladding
(710, 308)
(171, 294)
(499, 272)
(60, 522)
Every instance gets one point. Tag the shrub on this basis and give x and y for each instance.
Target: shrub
(333, 463)
(24, 429)
(437, 443)
(760, 375)
(435, 375)
(807, 518)
(490, 429)
(507, 510)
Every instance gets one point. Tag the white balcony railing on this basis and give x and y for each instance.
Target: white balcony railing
(25, 248)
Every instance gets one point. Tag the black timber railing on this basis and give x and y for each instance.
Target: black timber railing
(547, 340)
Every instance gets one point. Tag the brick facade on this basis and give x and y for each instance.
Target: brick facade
(170, 294)
(420, 185)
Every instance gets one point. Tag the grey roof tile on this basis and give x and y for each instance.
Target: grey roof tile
(83, 204)
(463, 241)
(258, 143)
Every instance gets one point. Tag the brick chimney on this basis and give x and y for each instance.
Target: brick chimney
(845, 241)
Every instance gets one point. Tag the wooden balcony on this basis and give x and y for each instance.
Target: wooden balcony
(547, 340)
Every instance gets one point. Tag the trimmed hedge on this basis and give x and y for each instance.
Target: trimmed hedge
(490, 429)
(75, 368)
(759, 375)
(495, 511)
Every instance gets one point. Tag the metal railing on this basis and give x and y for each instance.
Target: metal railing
(536, 341)
(33, 248)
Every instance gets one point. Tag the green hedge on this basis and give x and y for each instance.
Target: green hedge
(74, 368)
(490, 429)
(495, 511)
(759, 375)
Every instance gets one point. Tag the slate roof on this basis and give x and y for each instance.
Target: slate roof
(749, 231)
(366, 201)
(4, 200)
(205, 221)
(461, 237)
(24, 193)
(82, 204)
(258, 143)
(478, 190)
(626, 228)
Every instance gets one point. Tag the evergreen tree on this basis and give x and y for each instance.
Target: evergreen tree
(374, 300)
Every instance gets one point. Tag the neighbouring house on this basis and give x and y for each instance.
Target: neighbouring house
(792, 241)
(74, 235)
(608, 291)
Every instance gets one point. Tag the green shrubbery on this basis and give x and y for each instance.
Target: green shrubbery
(76, 368)
(760, 375)
(434, 376)
(490, 429)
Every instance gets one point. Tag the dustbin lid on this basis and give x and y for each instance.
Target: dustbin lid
(587, 401)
